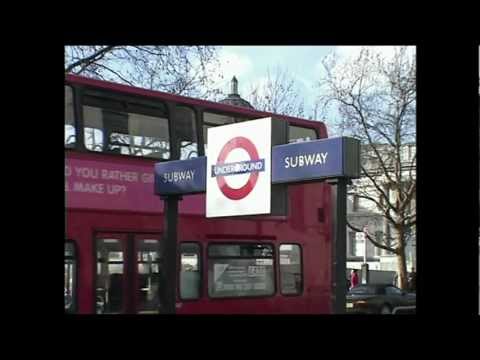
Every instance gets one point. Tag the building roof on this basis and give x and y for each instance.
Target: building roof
(234, 98)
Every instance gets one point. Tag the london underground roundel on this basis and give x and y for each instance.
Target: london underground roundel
(252, 167)
(238, 169)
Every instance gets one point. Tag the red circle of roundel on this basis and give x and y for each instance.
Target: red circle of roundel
(249, 147)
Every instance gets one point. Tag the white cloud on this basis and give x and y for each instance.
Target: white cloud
(302, 85)
(346, 53)
(349, 51)
(307, 83)
(229, 64)
(318, 70)
(386, 51)
(234, 64)
(258, 83)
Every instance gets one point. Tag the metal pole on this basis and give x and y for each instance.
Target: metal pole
(339, 248)
(170, 235)
(170, 228)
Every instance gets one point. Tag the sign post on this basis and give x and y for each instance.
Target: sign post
(247, 171)
(170, 232)
(339, 245)
(170, 247)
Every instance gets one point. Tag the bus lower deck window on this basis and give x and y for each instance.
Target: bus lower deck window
(190, 271)
(240, 270)
(70, 263)
(291, 279)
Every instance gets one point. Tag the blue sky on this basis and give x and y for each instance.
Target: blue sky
(250, 63)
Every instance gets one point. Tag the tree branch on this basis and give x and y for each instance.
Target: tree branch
(374, 242)
(116, 74)
(85, 62)
(379, 189)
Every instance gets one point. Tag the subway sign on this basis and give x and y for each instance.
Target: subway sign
(316, 160)
(180, 177)
(244, 170)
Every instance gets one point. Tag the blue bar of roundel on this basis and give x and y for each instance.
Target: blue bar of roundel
(332, 167)
(262, 161)
(179, 183)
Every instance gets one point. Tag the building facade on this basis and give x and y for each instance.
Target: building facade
(365, 214)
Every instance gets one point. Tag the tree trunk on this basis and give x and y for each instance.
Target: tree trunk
(399, 238)
(402, 269)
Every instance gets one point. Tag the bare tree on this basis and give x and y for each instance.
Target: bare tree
(375, 98)
(278, 94)
(185, 70)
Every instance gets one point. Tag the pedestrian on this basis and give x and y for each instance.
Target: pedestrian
(353, 279)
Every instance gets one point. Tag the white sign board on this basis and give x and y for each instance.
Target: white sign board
(239, 169)
(360, 244)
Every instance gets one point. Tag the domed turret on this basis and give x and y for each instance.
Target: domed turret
(234, 98)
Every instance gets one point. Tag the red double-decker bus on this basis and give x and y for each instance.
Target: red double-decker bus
(114, 246)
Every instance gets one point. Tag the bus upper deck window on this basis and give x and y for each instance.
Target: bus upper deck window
(125, 128)
(93, 128)
(299, 134)
(69, 118)
(212, 119)
(147, 136)
(187, 132)
(70, 277)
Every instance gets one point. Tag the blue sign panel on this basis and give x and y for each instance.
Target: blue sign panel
(314, 160)
(291, 163)
(181, 176)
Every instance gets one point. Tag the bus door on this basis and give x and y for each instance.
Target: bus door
(149, 279)
(128, 273)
